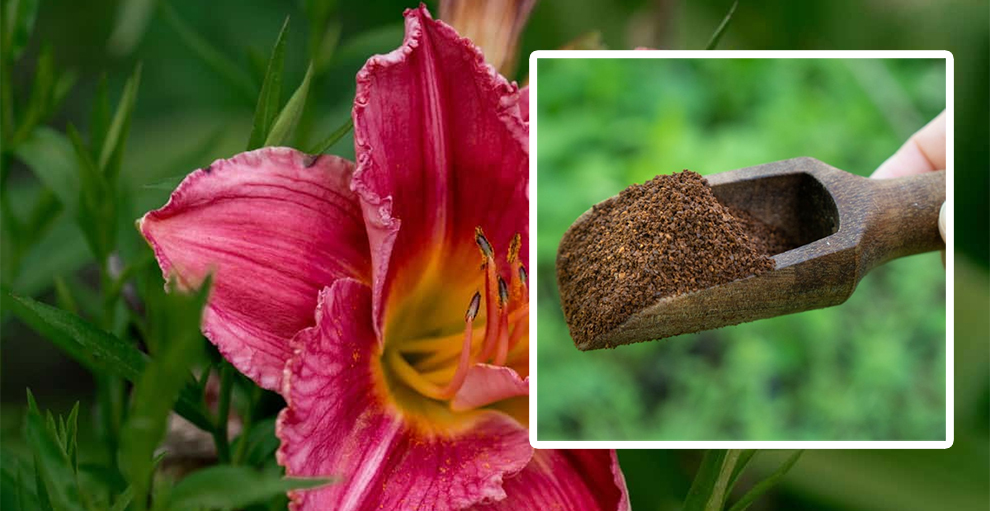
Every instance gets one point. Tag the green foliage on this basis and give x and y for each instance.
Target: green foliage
(231, 487)
(765, 485)
(116, 135)
(718, 474)
(157, 389)
(720, 31)
(333, 138)
(270, 99)
(83, 178)
(212, 57)
(19, 16)
(54, 459)
(100, 351)
(51, 157)
(703, 488)
(289, 117)
(47, 92)
(133, 17)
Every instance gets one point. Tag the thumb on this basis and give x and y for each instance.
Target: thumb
(941, 221)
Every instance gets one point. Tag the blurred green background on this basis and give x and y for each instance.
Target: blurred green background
(871, 369)
(187, 115)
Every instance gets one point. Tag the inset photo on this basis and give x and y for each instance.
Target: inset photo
(742, 250)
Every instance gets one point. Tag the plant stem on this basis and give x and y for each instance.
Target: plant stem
(223, 412)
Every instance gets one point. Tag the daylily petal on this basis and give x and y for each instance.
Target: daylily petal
(339, 423)
(486, 384)
(442, 148)
(275, 226)
(575, 480)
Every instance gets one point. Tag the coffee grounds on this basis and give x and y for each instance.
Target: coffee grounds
(663, 238)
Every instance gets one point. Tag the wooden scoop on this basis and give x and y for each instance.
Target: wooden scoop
(845, 226)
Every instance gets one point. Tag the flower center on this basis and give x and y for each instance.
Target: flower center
(437, 367)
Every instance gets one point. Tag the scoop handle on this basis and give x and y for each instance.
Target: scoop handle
(903, 218)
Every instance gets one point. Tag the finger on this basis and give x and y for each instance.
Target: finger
(941, 228)
(923, 152)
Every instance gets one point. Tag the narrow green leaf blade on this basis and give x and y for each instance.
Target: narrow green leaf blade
(99, 351)
(765, 485)
(158, 388)
(50, 157)
(745, 456)
(270, 98)
(720, 31)
(229, 487)
(116, 137)
(334, 137)
(704, 480)
(123, 500)
(289, 117)
(99, 118)
(132, 21)
(41, 95)
(211, 56)
(95, 216)
(53, 468)
(19, 26)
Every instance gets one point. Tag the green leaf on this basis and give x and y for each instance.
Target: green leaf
(99, 119)
(323, 52)
(334, 137)
(159, 386)
(96, 213)
(211, 56)
(52, 465)
(720, 491)
(50, 157)
(720, 31)
(132, 21)
(763, 486)
(72, 437)
(18, 25)
(43, 215)
(270, 98)
(261, 442)
(116, 136)
(229, 487)
(744, 458)
(41, 95)
(704, 480)
(290, 115)
(124, 499)
(101, 352)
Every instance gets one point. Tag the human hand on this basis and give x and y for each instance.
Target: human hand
(923, 152)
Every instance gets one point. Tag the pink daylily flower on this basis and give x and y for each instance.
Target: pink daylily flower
(387, 302)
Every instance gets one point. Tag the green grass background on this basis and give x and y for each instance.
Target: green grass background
(870, 369)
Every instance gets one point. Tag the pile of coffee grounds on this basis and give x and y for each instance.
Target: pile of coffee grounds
(663, 238)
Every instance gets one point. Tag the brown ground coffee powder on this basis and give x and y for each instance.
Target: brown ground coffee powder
(665, 237)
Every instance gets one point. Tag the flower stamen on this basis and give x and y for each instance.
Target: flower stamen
(419, 382)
